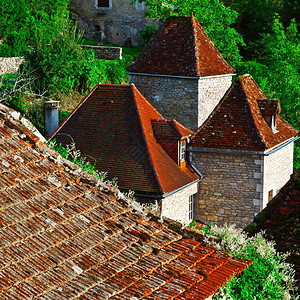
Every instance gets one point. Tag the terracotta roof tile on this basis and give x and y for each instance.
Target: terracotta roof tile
(65, 235)
(181, 48)
(114, 126)
(237, 122)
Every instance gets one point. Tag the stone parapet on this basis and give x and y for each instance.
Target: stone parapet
(102, 52)
(10, 64)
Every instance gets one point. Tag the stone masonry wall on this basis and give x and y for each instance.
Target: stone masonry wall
(278, 168)
(176, 206)
(211, 91)
(229, 190)
(118, 23)
(109, 53)
(189, 101)
(174, 98)
(10, 64)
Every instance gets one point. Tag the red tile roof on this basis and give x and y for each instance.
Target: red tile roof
(280, 221)
(168, 134)
(181, 48)
(65, 235)
(113, 125)
(237, 122)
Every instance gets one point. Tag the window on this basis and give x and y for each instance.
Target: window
(270, 195)
(139, 5)
(273, 124)
(191, 207)
(182, 150)
(103, 3)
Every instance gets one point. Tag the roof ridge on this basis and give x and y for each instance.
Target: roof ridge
(252, 113)
(216, 49)
(133, 91)
(196, 56)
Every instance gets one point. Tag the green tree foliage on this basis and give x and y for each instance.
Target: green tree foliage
(214, 16)
(14, 27)
(277, 72)
(43, 32)
(256, 18)
(268, 277)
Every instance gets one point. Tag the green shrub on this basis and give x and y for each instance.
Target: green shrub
(147, 33)
(269, 276)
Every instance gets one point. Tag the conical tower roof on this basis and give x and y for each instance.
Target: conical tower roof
(181, 48)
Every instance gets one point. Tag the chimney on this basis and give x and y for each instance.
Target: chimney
(51, 117)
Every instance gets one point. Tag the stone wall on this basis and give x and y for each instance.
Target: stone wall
(230, 189)
(174, 98)
(120, 23)
(189, 101)
(278, 168)
(10, 64)
(109, 53)
(176, 206)
(211, 91)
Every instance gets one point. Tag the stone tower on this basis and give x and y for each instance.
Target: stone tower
(181, 72)
(244, 151)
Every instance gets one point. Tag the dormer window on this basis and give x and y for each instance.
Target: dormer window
(273, 124)
(182, 150)
(269, 109)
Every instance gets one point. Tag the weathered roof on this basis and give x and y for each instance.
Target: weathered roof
(170, 129)
(168, 134)
(113, 125)
(237, 122)
(66, 235)
(280, 221)
(181, 47)
(269, 107)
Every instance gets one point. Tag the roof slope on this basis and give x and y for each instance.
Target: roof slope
(113, 125)
(65, 235)
(280, 221)
(237, 122)
(181, 48)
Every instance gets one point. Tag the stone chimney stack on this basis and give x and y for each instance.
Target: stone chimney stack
(51, 117)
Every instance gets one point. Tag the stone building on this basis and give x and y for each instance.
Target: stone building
(181, 72)
(245, 152)
(126, 136)
(115, 20)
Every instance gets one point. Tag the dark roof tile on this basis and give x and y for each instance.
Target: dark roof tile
(237, 122)
(114, 126)
(181, 48)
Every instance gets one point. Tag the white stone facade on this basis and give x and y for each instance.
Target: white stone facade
(210, 92)
(277, 169)
(188, 100)
(176, 206)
